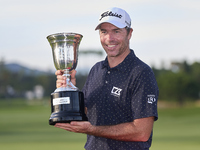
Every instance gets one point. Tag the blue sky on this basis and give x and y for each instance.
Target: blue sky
(164, 30)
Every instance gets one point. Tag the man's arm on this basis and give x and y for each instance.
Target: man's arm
(138, 130)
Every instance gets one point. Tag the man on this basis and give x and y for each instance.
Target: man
(120, 92)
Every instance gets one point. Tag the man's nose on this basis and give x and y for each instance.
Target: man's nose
(110, 37)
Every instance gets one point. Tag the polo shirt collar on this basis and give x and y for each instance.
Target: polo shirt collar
(124, 65)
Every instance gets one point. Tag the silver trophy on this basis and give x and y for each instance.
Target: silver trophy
(67, 103)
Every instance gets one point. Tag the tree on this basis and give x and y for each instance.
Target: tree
(179, 86)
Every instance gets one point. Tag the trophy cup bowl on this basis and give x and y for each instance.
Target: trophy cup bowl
(67, 103)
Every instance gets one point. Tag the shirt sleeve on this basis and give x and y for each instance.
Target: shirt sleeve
(145, 95)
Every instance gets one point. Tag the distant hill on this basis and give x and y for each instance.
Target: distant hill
(14, 67)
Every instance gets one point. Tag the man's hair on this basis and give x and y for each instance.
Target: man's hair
(128, 30)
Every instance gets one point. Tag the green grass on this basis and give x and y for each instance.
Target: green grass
(177, 129)
(25, 126)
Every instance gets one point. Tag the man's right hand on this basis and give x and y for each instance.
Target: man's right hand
(61, 80)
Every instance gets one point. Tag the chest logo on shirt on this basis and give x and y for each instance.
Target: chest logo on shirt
(151, 98)
(116, 91)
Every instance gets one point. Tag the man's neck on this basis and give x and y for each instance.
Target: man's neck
(114, 61)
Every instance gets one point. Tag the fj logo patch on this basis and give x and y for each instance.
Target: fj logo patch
(116, 91)
(151, 98)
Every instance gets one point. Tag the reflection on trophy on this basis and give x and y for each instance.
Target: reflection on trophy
(67, 103)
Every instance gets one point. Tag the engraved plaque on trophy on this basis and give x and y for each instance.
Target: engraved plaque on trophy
(67, 103)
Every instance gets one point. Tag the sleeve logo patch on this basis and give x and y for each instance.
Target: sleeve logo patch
(151, 99)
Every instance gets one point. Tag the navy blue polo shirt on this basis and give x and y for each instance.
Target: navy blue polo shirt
(117, 95)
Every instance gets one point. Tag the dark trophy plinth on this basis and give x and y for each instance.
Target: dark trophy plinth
(67, 103)
(72, 107)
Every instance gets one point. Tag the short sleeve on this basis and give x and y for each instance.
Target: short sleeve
(145, 95)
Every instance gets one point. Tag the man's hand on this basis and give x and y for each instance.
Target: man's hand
(76, 126)
(61, 80)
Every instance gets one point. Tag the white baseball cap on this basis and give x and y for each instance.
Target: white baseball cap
(116, 16)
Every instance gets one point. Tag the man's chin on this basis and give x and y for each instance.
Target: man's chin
(111, 55)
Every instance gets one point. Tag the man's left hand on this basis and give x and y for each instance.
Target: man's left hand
(76, 126)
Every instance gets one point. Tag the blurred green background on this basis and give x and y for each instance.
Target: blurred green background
(24, 125)
(25, 109)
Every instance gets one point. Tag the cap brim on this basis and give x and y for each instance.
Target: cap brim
(115, 23)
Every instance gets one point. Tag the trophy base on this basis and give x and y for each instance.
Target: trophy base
(67, 106)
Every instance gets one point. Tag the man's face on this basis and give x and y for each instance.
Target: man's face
(115, 41)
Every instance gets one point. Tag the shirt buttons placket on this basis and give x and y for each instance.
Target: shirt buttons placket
(108, 74)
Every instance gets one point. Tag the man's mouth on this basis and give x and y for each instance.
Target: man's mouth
(111, 46)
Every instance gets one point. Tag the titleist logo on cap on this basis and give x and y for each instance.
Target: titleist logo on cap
(109, 13)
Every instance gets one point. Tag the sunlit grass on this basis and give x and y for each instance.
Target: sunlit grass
(24, 125)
